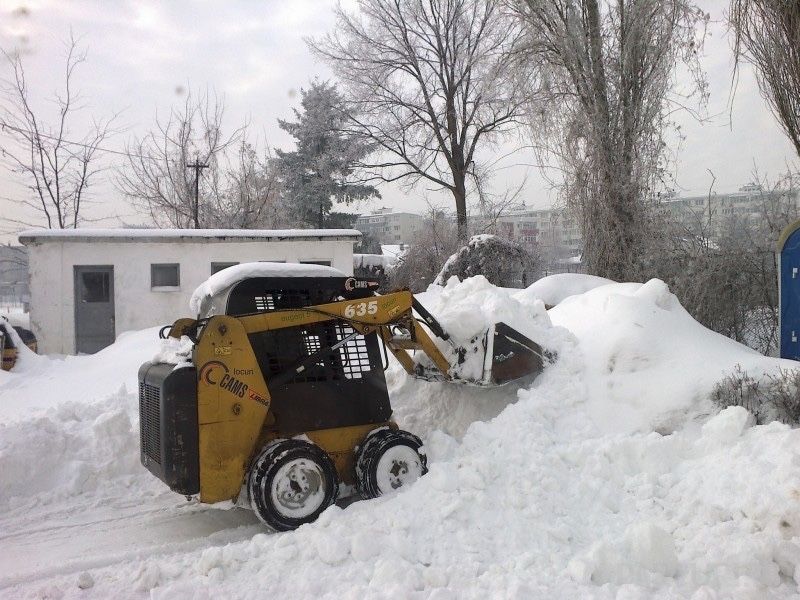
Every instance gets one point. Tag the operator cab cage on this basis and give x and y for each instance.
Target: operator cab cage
(345, 386)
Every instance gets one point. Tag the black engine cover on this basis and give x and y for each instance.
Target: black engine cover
(168, 425)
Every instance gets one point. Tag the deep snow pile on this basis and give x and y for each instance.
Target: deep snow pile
(69, 425)
(648, 365)
(566, 493)
(554, 288)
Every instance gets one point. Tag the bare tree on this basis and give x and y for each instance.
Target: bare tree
(56, 161)
(157, 178)
(432, 245)
(767, 35)
(610, 89)
(430, 84)
(251, 193)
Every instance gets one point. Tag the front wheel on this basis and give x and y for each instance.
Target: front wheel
(291, 483)
(388, 460)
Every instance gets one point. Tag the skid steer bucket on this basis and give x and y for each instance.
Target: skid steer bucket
(497, 356)
(510, 355)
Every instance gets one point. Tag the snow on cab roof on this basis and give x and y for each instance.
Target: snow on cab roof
(226, 278)
(177, 235)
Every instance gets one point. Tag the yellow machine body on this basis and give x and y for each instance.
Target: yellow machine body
(235, 412)
(233, 399)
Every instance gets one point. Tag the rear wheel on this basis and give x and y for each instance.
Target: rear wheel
(291, 483)
(388, 460)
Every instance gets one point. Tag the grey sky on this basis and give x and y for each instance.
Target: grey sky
(141, 53)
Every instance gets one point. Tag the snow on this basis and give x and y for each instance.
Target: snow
(396, 251)
(648, 364)
(175, 351)
(39, 383)
(609, 477)
(374, 260)
(465, 310)
(233, 275)
(179, 234)
(555, 288)
(16, 316)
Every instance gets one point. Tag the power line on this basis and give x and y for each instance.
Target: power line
(5, 126)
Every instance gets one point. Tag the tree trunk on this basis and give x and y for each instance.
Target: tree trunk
(460, 194)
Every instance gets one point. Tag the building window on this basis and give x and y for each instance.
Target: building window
(324, 263)
(165, 275)
(95, 286)
(216, 267)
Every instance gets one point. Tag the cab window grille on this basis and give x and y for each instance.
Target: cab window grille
(353, 355)
(286, 347)
(281, 299)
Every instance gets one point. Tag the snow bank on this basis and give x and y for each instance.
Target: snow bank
(648, 364)
(43, 382)
(562, 490)
(232, 275)
(70, 449)
(555, 288)
(535, 504)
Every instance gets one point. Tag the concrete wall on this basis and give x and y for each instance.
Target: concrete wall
(136, 305)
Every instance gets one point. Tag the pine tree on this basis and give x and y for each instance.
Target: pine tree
(319, 171)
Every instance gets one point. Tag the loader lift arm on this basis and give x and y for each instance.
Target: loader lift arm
(507, 354)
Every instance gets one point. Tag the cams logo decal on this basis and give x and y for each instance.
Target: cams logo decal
(216, 373)
(207, 370)
(351, 283)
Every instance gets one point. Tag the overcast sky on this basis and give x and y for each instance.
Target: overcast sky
(141, 55)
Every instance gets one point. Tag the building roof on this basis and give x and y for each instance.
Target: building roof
(180, 235)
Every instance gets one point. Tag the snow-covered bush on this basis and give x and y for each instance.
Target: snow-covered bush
(773, 398)
(503, 262)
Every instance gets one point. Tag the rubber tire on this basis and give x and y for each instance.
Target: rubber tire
(369, 454)
(265, 467)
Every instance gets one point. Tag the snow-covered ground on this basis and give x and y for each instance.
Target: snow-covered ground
(612, 476)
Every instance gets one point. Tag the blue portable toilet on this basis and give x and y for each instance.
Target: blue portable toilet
(789, 290)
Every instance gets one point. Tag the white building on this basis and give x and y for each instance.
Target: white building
(390, 227)
(87, 286)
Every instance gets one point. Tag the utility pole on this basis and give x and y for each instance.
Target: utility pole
(197, 166)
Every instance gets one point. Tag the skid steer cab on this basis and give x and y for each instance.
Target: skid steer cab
(285, 395)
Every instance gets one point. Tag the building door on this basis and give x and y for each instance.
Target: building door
(94, 308)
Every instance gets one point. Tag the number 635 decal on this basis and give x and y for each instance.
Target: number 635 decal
(361, 309)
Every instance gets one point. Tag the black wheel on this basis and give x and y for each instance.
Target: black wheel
(388, 460)
(291, 483)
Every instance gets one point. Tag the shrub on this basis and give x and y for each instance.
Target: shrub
(773, 398)
(503, 262)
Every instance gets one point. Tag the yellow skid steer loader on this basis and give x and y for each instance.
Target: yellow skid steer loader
(285, 392)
